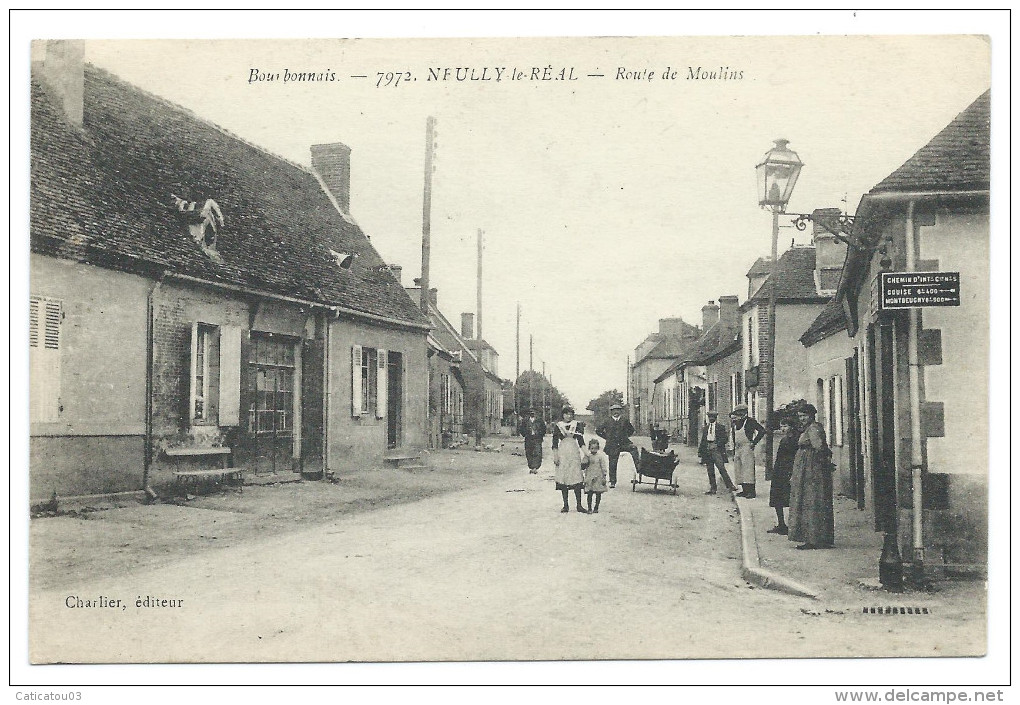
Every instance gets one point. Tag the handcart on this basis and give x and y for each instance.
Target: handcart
(656, 466)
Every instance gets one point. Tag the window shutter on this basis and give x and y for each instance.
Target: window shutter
(838, 411)
(44, 336)
(230, 376)
(194, 370)
(380, 386)
(356, 380)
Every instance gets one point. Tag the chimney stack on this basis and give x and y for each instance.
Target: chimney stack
(434, 296)
(830, 253)
(709, 315)
(63, 70)
(467, 325)
(729, 312)
(332, 162)
(396, 270)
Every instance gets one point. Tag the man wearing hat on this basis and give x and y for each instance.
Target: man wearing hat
(746, 434)
(532, 429)
(617, 432)
(712, 450)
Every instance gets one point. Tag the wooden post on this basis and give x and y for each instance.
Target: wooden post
(426, 211)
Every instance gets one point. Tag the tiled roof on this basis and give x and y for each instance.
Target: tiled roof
(102, 194)
(762, 265)
(829, 321)
(795, 278)
(718, 340)
(956, 159)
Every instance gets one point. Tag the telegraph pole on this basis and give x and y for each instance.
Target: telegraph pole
(426, 210)
(517, 377)
(531, 368)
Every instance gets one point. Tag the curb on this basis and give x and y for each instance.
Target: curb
(751, 569)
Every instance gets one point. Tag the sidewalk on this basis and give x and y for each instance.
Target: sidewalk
(845, 574)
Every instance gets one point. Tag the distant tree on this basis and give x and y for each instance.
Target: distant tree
(600, 405)
(533, 389)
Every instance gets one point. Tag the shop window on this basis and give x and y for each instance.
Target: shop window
(272, 363)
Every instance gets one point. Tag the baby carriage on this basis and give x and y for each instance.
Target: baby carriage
(656, 466)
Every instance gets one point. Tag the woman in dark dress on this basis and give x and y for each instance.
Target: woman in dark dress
(811, 520)
(782, 468)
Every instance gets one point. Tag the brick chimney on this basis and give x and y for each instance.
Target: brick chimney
(63, 71)
(332, 162)
(729, 312)
(672, 326)
(830, 253)
(396, 270)
(467, 325)
(709, 315)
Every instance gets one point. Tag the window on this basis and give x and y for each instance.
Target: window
(203, 340)
(44, 341)
(272, 364)
(368, 382)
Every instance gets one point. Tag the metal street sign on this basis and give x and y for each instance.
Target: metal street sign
(917, 289)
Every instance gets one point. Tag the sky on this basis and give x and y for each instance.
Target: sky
(606, 202)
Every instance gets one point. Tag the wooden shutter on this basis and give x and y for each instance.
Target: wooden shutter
(837, 411)
(381, 379)
(356, 380)
(230, 376)
(45, 319)
(190, 416)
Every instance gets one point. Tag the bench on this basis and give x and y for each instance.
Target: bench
(194, 477)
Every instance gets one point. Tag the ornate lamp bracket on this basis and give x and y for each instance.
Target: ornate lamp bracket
(839, 225)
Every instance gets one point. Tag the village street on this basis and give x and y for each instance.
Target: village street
(490, 572)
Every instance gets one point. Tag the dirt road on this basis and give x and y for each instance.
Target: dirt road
(492, 572)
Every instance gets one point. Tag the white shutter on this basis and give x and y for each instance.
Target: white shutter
(44, 366)
(194, 370)
(230, 376)
(827, 410)
(380, 386)
(356, 380)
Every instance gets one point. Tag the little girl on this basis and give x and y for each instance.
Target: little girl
(595, 473)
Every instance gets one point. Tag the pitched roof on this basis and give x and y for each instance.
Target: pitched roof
(102, 193)
(956, 159)
(762, 265)
(795, 279)
(829, 321)
(719, 340)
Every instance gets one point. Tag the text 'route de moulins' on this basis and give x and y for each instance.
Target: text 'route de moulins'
(500, 74)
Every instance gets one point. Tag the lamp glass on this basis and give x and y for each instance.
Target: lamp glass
(777, 175)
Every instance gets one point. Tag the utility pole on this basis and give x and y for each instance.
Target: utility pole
(545, 392)
(517, 377)
(479, 303)
(531, 368)
(426, 210)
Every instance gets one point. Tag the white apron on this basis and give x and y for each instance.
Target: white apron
(568, 472)
(743, 457)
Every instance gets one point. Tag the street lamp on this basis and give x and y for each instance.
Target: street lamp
(777, 175)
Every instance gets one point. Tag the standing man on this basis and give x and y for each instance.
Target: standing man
(533, 430)
(712, 451)
(746, 434)
(617, 433)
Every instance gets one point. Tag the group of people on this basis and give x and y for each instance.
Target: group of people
(593, 467)
(801, 476)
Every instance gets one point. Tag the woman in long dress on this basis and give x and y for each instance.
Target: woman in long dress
(811, 520)
(567, 444)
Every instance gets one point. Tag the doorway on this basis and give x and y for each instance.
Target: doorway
(882, 418)
(856, 455)
(394, 399)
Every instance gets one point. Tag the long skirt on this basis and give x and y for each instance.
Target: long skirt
(533, 451)
(811, 519)
(568, 473)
